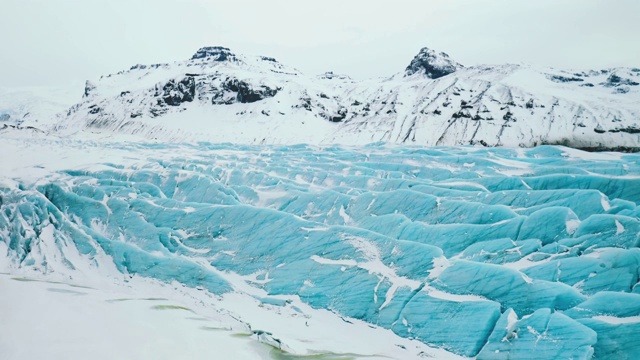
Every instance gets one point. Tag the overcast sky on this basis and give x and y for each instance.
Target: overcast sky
(46, 42)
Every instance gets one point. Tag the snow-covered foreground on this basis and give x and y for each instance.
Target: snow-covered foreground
(53, 320)
(371, 251)
(144, 319)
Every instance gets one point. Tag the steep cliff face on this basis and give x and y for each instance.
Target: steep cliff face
(221, 96)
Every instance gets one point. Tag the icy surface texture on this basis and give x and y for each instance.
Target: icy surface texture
(496, 253)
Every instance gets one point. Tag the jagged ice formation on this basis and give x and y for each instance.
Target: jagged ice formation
(493, 253)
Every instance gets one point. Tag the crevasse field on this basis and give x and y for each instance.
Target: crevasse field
(442, 252)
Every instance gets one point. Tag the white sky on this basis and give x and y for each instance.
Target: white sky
(46, 42)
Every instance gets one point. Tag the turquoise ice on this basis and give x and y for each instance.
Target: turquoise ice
(495, 253)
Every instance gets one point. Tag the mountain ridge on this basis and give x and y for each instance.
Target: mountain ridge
(220, 96)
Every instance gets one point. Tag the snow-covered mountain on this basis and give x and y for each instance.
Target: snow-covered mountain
(220, 96)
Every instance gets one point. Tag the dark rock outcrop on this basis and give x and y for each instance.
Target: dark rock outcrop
(339, 117)
(147, 67)
(248, 94)
(88, 88)
(214, 53)
(175, 93)
(628, 130)
(614, 80)
(18, 127)
(564, 79)
(530, 104)
(94, 109)
(434, 65)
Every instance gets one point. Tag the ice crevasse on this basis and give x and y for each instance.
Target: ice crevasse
(488, 253)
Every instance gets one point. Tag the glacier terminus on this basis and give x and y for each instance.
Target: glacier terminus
(487, 253)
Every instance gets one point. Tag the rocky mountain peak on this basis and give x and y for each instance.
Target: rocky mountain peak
(215, 53)
(432, 64)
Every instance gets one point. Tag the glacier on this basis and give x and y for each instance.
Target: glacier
(493, 253)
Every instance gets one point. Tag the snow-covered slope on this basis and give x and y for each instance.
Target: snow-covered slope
(225, 97)
(34, 109)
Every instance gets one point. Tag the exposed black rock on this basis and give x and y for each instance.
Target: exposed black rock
(614, 80)
(508, 116)
(628, 130)
(462, 114)
(624, 149)
(88, 88)
(305, 104)
(18, 127)
(246, 93)
(214, 53)
(144, 67)
(342, 114)
(94, 109)
(530, 104)
(221, 98)
(176, 93)
(433, 65)
(476, 142)
(564, 79)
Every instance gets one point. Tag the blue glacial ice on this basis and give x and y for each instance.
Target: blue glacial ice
(494, 253)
